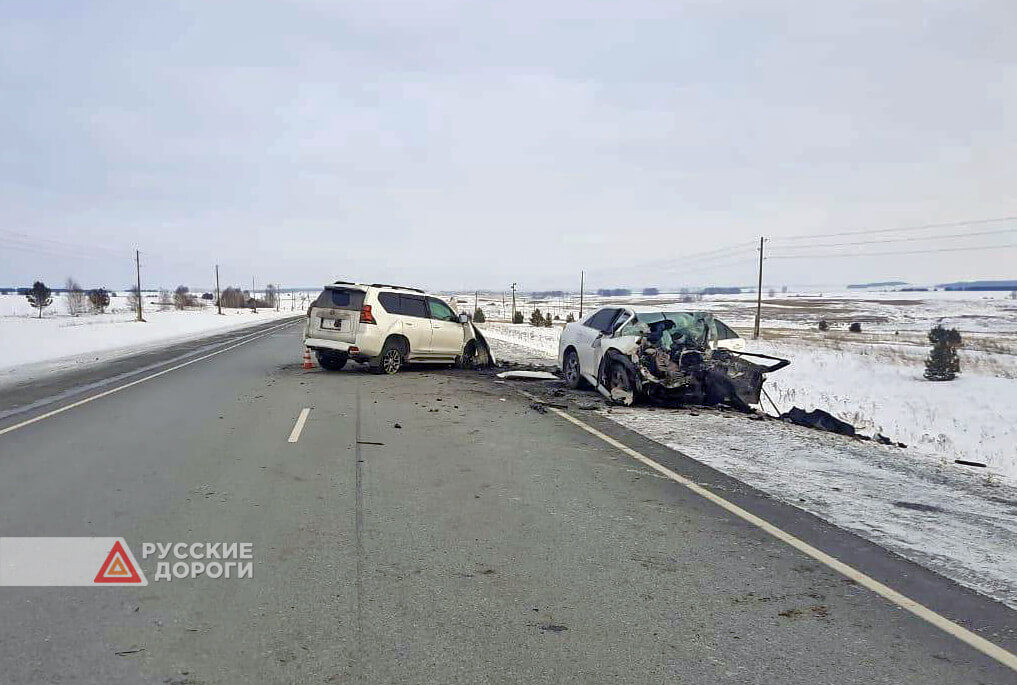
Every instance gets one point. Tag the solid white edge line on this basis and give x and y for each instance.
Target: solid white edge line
(971, 639)
(299, 425)
(250, 338)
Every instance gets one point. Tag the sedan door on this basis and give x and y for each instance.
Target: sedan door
(446, 332)
(587, 339)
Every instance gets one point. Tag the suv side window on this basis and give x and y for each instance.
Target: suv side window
(390, 302)
(411, 305)
(441, 311)
(603, 319)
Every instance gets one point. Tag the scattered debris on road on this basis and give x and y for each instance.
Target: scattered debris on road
(529, 375)
(818, 419)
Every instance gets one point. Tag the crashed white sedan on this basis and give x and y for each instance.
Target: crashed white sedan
(692, 357)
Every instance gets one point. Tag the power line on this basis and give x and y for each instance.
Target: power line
(900, 240)
(901, 229)
(894, 252)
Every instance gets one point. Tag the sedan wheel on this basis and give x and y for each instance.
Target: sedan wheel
(621, 385)
(573, 377)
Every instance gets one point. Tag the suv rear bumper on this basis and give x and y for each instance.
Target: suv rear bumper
(359, 354)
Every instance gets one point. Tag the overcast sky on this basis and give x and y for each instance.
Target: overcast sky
(469, 144)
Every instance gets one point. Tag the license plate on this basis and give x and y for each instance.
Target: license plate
(334, 324)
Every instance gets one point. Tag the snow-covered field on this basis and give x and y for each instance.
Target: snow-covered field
(30, 345)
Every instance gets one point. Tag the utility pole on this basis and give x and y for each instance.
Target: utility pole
(513, 303)
(759, 291)
(582, 284)
(218, 295)
(137, 264)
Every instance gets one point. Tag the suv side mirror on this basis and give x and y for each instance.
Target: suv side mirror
(464, 318)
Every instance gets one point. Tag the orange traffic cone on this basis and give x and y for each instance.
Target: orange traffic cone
(308, 364)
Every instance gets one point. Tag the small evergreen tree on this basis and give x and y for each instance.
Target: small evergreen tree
(943, 364)
(536, 318)
(824, 325)
(548, 320)
(570, 318)
(39, 296)
(478, 315)
(517, 317)
(98, 300)
(855, 327)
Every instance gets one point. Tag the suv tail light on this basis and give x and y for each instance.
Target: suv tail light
(365, 314)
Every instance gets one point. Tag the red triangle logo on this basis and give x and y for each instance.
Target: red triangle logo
(117, 568)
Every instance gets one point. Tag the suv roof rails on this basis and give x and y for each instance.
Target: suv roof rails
(400, 287)
(343, 283)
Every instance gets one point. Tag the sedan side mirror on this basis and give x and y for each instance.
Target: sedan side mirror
(464, 318)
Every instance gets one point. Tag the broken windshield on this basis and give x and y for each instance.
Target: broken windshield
(688, 326)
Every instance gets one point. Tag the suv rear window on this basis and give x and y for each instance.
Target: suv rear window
(340, 298)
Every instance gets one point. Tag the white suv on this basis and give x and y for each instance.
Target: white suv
(387, 326)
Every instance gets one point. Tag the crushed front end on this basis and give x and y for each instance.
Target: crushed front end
(678, 361)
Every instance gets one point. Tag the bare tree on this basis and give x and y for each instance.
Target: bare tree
(182, 297)
(165, 300)
(77, 301)
(133, 298)
(233, 298)
(271, 295)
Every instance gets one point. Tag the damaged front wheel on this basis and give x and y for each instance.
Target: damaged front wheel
(620, 385)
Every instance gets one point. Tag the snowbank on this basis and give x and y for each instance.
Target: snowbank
(538, 339)
(973, 417)
(30, 345)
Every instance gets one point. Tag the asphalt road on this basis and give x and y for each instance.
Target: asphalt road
(479, 541)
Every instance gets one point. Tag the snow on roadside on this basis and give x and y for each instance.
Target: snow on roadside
(940, 517)
(31, 346)
(543, 341)
(973, 417)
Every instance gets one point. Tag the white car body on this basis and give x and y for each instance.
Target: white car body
(609, 328)
(356, 321)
